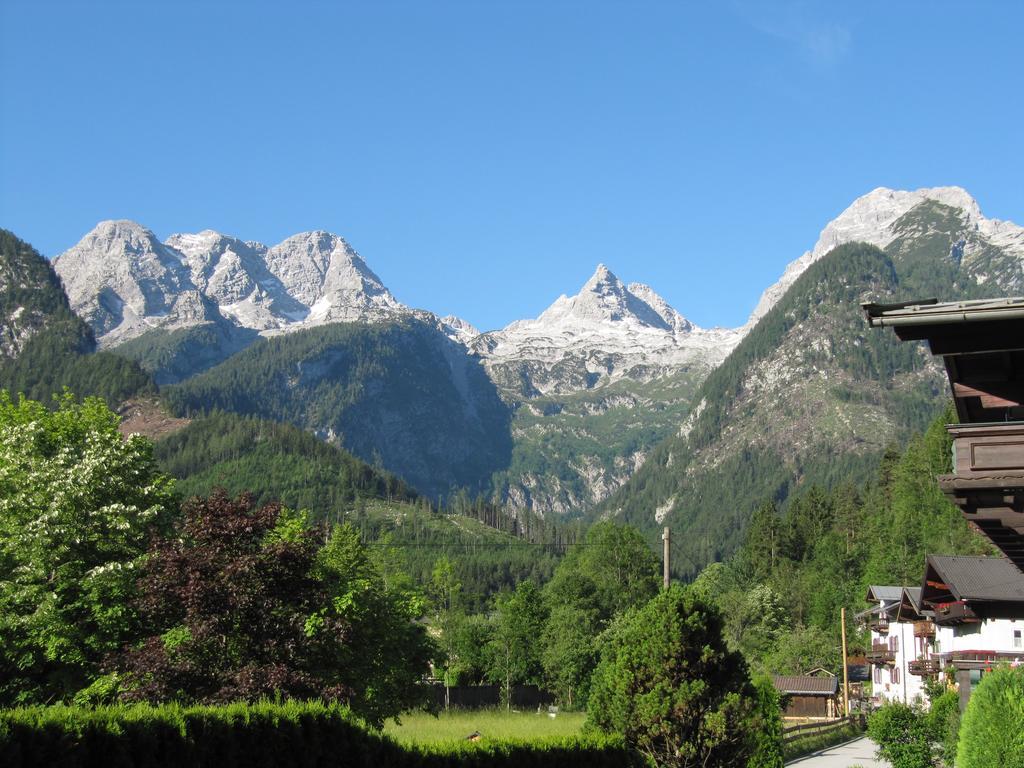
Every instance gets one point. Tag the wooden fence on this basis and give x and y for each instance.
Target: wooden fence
(816, 729)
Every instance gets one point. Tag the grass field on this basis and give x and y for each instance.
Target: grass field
(421, 728)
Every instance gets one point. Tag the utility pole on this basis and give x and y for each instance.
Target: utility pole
(665, 537)
(846, 668)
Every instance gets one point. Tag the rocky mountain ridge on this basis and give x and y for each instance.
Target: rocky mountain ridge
(874, 218)
(124, 282)
(606, 332)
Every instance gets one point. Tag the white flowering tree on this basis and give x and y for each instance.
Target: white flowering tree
(76, 504)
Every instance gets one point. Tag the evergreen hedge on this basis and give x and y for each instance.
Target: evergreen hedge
(303, 735)
(992, 729)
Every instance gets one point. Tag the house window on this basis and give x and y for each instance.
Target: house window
(878, 674)
(1017, 639)
(896, 644)
(895, 674)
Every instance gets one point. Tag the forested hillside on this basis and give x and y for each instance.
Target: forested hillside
(810, 396)
(401, 396)
(781, 593)
(44, 346)
(277, 462)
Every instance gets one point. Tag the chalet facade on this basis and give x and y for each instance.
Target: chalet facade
(966, 617)
(902, 652)
(978, 608)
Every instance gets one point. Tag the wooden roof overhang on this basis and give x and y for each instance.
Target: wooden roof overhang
(967, 590)
(909, 609)
(944, 601)
(982, 346)
(981, 343)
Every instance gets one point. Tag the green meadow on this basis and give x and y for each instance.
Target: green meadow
(491, 724)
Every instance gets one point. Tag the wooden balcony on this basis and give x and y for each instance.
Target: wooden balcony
(988, 482)
(879, 624)
(925, 667)
(924, 629)
(957, 612)
(880, 654)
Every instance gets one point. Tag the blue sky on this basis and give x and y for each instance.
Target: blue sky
(485, 156)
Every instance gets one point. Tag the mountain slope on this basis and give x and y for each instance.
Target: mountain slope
(884, 216)
(596, 381)
(401, 395)
(810, 395)
(44, 346)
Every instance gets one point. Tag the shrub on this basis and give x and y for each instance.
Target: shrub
(767, 728)
(944, 722)
(992, 730)
(904, 736)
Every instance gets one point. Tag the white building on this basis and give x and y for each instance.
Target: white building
(978, 608)
(902, 651)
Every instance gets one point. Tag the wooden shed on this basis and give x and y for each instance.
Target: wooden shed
(808, 696)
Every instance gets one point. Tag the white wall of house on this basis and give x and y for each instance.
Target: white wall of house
(1000, 635)
(895, 683)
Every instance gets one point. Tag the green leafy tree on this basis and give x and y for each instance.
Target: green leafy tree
(386, 652)
(767, 728)
(802, 649)
(446, 614)
(670, 686)
(77, 502)
(569, 653)
(514, 646)
(610, 570)
(472, 637)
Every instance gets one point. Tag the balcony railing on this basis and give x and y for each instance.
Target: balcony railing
(954, 613)
(925, 667)
(880, 653)
(879, 624)
(924, 629)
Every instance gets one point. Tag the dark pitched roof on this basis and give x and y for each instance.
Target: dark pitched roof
(884, 593)
(912, 598)
(980, 578)
(806, 685)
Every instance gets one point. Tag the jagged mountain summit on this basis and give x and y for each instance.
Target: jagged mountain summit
(606, 332)
(877, 218)
(124, 282)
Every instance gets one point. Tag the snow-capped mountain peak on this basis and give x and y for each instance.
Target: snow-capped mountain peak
(871, 219)
(605, 332)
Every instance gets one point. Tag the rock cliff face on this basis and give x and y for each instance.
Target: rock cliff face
(597, 380)
(124, 282)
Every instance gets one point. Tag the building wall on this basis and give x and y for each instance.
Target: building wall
(895, 683)
(1002, 635)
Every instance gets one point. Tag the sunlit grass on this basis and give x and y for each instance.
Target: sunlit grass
(421, 728)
